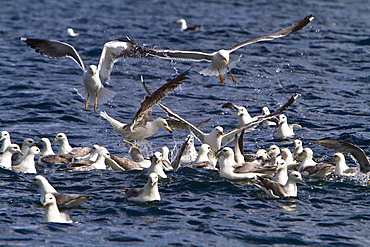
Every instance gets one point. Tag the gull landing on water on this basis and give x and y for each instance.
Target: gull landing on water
(140, 127)
(93, 90)
(220, 63)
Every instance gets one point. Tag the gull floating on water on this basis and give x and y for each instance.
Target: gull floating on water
(156, 166)
(88, 165)
(309, 168)
(66, 148)
(6, 157)
(341, 167)
(243, 115)
(285, 130)
(350, 148)
(63, 200)
(276, 190)
(28, 163)
(140, 127)
(5, 140)
(52, 213)
(220, 63)
(185, 27)
(148, 193)
(26, 145)
(93, 90)
(72, 33)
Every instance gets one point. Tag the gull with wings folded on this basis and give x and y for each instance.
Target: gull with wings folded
(220, 63)
(93, 90)
(140, 127)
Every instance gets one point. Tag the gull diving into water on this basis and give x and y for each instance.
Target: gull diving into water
(93, 90)
(140, 127)
(220, 63)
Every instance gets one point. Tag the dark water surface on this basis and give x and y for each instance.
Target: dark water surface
(327, 63)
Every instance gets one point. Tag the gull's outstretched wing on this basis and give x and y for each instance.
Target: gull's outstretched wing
(55, 49)
(291, 29)
(141, 116)
(228, 137)
(197, 132)
(112, 52)
(347, 147)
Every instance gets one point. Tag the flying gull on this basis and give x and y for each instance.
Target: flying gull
(140, 127)
(220, 63)
(93, 90)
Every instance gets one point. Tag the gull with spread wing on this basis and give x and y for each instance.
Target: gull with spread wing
(140, 127)
(220, 63)
(93, 90)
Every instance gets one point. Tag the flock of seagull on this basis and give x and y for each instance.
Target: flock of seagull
(275, 171)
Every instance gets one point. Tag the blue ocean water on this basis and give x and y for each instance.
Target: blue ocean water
(326, 63)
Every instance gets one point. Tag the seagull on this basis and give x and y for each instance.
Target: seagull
(140, 127)
(5, 140)
(341, 167)
(298, 149)
(228, 165)
(281, 175)
(64, 200)
(266, 111)
(148, 193)
(220, 63)
(28, 163)
(93, 90)
(243, 115)
(99, 164)
(202, 160)
(310, 168)
(27, 143)
(66, 148)
(184, 26)
(6, 157)
(285, 130)
(156, 166)
(350, 148)
(52, 213)
(276, 190)
(72, 33)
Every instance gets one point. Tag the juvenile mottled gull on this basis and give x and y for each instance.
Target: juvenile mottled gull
(93, 90)
(148, 193)
(52, 213)
(64, 200)
(220, 63)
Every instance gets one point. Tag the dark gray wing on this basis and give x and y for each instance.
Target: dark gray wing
(67, 201)
(350, 148)
(55, 49)
(141, 117)
(291, 29)
(134, 192)
(275, 188)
